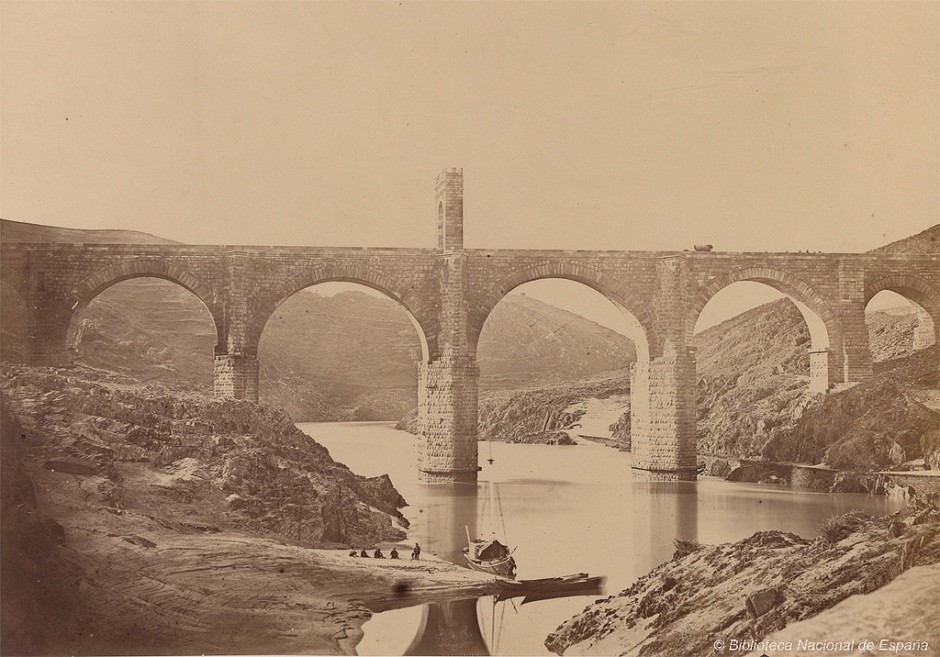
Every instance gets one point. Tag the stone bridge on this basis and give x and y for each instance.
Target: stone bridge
(449, 291)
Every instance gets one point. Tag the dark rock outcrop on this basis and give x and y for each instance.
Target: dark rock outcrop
(752, 588)
(41, 584)
(245, 461)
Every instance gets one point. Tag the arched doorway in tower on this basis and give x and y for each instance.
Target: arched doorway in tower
(555, 357)
(897, 326)
(761, 355)
(340, 351)
(150, 329)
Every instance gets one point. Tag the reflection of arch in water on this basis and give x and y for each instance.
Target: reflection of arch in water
(449, 628)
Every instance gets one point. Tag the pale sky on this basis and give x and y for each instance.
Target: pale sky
(750, 126)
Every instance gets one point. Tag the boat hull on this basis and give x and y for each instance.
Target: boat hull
(505, 567)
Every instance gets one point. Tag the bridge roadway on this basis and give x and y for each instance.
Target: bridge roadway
(448, 292)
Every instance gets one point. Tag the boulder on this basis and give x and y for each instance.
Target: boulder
(760, 602)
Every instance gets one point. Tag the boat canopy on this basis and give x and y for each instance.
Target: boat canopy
(487, 550)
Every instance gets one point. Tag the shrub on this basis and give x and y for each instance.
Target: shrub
(685, 547)
(837, 528)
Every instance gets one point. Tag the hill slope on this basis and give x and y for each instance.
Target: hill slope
(18, 231)
(926, 241)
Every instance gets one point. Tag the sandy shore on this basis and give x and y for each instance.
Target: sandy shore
(162, 591)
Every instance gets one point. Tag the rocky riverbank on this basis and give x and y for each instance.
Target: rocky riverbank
(539, 414)
(708, 596)
(140, 521)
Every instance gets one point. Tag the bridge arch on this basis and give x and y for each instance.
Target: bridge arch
(822, 323)
(824, 327)
(421, 318)
(924, 296)
(634, 310)
(84, 293)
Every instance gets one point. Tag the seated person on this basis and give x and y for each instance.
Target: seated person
(378, 553)
(394, 553)
(364, 553)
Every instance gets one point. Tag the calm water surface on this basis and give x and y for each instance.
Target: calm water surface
(567, 509)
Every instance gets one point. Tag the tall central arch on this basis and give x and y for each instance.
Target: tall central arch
(636, 311)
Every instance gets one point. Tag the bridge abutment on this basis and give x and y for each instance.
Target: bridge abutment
(820, 371)
(47, 339)
(235, 376)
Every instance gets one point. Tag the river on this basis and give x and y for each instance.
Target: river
(567, 509)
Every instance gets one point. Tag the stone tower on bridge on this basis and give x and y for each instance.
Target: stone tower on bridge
(449, 291)
(448, 385)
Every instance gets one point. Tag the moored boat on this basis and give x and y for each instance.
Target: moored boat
(490, 556)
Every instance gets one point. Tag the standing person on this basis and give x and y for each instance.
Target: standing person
(416, 553)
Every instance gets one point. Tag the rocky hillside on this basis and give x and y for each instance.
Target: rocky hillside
(747, 590)
(926, 241)
(755, 404)
(539, 414)
(134, 450)
(883, 423)
(135, 521)
(32, 550)
(891, 333)
(753, 400)
(526, 343)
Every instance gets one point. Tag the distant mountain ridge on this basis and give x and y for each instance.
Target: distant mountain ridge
(18, 231)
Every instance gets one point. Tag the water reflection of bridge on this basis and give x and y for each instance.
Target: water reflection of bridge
(449, 628)
(665, 511)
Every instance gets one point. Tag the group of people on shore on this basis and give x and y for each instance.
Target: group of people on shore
(415, 554)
